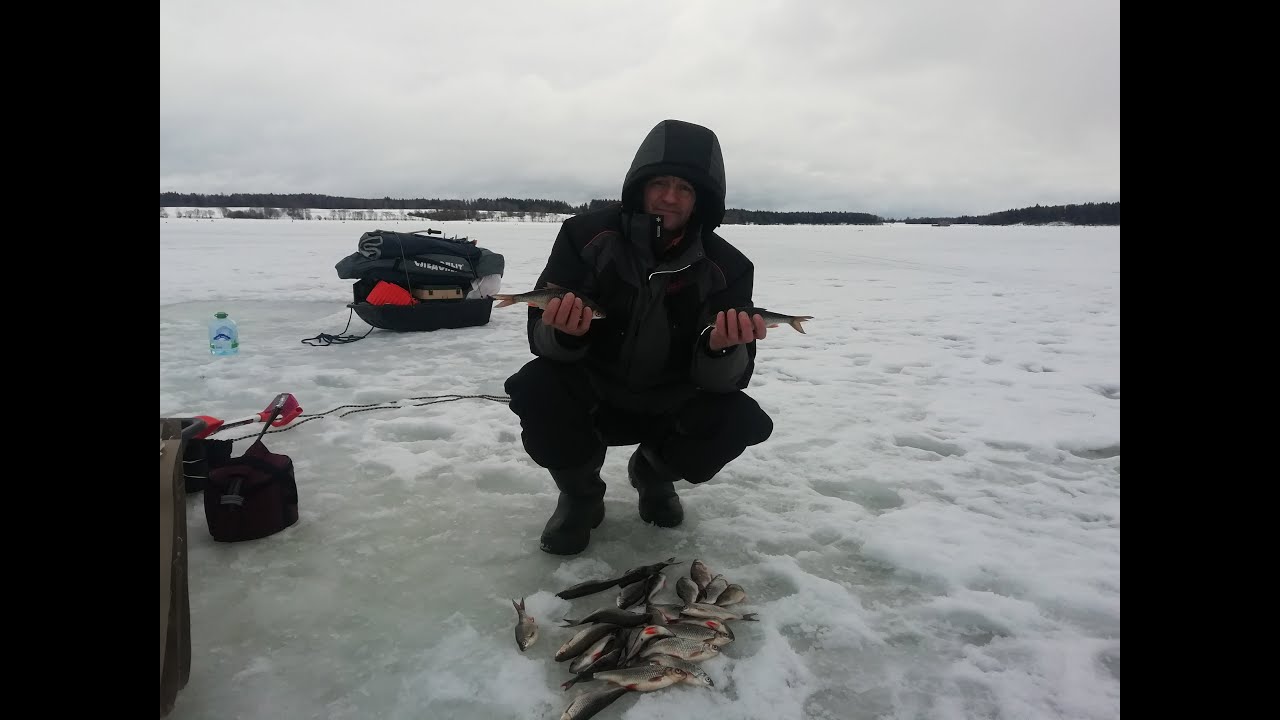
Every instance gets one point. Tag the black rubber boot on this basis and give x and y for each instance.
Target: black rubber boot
(579, 510)
(655, 482)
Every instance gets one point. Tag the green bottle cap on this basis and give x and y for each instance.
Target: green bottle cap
(220, 315)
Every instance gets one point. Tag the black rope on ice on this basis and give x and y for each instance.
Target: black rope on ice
(341, 338)
(389, 405)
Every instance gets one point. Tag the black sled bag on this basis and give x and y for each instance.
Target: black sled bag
(199, 457)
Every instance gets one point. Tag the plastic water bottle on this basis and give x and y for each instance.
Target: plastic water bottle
(224, 336)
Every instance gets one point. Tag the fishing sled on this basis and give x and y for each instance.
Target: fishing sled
(412, 282)
(450, 310)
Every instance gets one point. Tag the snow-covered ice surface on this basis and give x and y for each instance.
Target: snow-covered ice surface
(932, 531)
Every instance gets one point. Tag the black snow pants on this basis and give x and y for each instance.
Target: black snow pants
(564, 425)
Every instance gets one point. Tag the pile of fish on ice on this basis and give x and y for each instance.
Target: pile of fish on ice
(642, 651)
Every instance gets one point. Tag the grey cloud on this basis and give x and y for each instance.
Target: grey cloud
(916, 107)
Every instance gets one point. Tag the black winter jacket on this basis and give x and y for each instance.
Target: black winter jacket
(649, 353)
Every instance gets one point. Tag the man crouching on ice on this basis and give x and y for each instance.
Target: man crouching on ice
(666, 364)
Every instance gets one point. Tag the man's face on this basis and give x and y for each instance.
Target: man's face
(672, 198)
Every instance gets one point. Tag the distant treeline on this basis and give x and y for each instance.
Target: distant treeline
(336, 202)
(734, 216)
(442, 209)
(1086, 214)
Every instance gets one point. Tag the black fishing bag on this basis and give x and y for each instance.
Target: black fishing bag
(251, 496)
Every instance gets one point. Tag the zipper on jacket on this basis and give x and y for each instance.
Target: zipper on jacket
(651, 298)
(668, 272)
(645, 300)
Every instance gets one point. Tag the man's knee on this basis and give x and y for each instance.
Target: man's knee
(733, 414)
(715, 433)
(534, 376)
(541, 387)
(760, 426)
(554, 414)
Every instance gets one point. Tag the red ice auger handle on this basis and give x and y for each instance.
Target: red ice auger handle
(284, 408)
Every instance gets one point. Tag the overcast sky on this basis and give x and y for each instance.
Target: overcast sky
(911, 107)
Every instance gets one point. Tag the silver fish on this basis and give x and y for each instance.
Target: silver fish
(621, 618)
(526, 627)
(540, 298)
(687, 590)
(631, 575)
(644, 678)
(576, 645)
(632, 595)
(690, 650)
(588, 704)
(696, 675)
(714, 588)
(715, 625)
(773, 319)
(700, 633)
(656, 584)
(661, 614)
(589, 587)
(642, 637)
(714, 612)
(700, 574)
(611, 660)
(644, 571)
(593, 653)
(732, 595)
